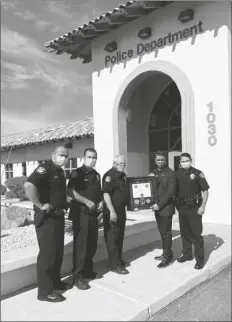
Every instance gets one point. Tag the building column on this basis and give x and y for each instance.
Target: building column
(3, 174)
(31, 166)
(17, 170)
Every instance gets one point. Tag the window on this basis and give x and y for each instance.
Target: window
(24, 169)
(71, 165)
(9, 170)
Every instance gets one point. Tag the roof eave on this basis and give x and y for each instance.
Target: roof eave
(78, 42)
(20, 146)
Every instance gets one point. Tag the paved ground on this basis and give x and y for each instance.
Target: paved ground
(210, 301)
(134, 297)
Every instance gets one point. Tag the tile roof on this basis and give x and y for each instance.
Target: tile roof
(78, 130)
(77, 43)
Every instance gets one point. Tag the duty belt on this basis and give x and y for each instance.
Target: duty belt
(189, 202)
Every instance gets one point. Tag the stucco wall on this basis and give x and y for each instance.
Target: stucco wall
(201, 61)
(41, 152)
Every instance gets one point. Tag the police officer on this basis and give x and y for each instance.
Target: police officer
(46, 188)
(84, 187)
(164, 208)
(192, 196)
(114, 213)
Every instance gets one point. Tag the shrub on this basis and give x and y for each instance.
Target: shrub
(3, 189)
(21, 216)
(9, 195)
(15, 185)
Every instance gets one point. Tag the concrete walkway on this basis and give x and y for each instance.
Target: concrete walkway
(137, 296)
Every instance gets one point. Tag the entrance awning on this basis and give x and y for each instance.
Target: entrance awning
(77, 43)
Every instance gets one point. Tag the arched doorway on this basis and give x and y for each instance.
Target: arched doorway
(164, 130)
(152, 77)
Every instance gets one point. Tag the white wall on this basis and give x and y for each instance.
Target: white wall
(202, 60)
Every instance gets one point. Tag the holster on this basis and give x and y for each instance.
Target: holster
(39, 217)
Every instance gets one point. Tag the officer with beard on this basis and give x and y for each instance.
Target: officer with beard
(46, 189)
(114, 214)
(84, 187)
(164, 207)
(192, 196)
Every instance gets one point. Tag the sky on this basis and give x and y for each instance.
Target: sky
(39, 88)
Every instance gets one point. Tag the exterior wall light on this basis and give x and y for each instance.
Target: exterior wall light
(111, 47)
(144, 33)
(186, 15)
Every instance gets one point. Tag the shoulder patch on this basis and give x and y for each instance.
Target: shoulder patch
(107, 179)
(73, 174)
(41, 170)
(98, 177)
(202, 175)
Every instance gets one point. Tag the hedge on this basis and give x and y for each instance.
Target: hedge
(16, 186)
(3, 189)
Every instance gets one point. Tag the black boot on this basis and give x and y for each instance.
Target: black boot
(159, 258)
(120, 270)
(82, 284)
(198, 266)
(184, 258)
(51, 297)
(165, 262)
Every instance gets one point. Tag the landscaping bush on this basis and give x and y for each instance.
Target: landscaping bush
(3, 189)
(9, 195)
(15, 185)
(21, 216)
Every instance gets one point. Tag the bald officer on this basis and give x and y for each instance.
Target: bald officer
(114, 213)
(46, 189)
(192, 196)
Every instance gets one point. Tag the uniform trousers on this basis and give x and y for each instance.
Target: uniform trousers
(191, 229)
(85, 233)
(50, 236)
(164, 224)
(114, 236)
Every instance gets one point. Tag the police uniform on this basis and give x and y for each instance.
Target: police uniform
(190, 184)
(51, 184)
(87, 183)
(114, 183)
(165, 180)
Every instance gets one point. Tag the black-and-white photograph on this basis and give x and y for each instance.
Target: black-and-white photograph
(115, 160)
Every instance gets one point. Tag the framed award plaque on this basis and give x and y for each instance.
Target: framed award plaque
(141, 192)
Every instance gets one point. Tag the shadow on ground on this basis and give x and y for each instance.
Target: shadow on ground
(212, 243)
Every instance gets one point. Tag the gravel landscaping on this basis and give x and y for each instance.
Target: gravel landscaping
(22, 237)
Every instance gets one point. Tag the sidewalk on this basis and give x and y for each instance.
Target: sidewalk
(136, 296)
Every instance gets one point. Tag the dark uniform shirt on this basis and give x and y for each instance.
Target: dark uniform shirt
(87, 183)
(114, 183)
(51, 183)
(190, 182)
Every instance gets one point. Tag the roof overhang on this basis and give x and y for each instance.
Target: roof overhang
(78, 42)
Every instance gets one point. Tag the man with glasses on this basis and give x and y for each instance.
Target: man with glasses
(46, 189)
(84, 187)
(164, 207)
(114, 214)
(191, 199)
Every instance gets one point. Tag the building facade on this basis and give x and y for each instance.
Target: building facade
(162, 81)
(23, 152)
